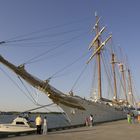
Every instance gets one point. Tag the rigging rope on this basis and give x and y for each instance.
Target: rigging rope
(27, 89)
(94, 77)
(121, 83)
(47, 29)
(65, 115)
(17, 86)
(107, 72)
(36, 44)
(50, 50)
(38, 107)
(43, 36)
(82, 56)
(79, 77)
(29, 97)
(35, 102)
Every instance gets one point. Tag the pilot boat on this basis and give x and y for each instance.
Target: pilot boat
(19, 124)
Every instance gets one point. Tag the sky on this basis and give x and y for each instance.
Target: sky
(58, 23)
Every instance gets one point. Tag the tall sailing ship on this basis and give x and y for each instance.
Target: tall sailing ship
(77, 108)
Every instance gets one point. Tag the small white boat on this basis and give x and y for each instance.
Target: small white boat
(19, 124)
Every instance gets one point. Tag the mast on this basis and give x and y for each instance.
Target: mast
(96, 42)
(114, 76)
(98, 61)
(124, 81)
(130, 88)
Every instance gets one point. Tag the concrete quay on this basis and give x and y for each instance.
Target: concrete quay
(118, 130)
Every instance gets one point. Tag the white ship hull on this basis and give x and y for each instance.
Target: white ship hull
(100, 111)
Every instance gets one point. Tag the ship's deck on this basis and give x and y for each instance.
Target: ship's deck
(107, 131)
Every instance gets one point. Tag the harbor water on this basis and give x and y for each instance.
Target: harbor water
(54, 120)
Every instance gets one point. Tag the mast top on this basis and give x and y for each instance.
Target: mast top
(96, 14)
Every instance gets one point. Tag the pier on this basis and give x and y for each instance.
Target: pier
(106, 131)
